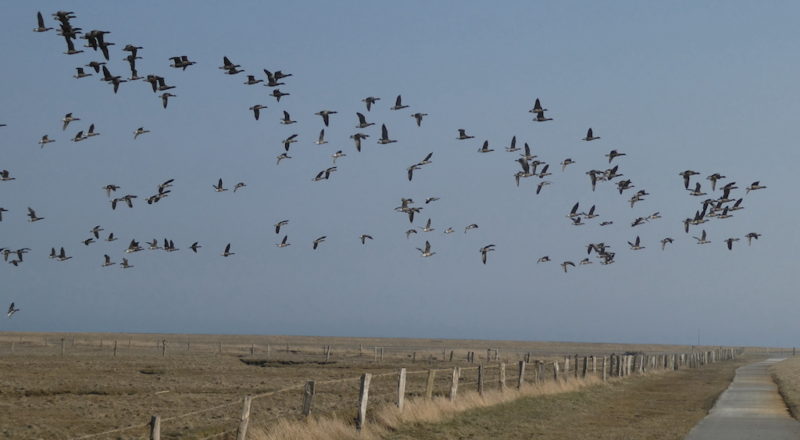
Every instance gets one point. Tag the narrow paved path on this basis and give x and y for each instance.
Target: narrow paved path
(750, 408)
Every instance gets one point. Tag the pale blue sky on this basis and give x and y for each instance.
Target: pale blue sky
(706, 86)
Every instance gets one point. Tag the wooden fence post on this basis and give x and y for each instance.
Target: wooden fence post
(363, 394)
(576, 366)
(401, 389)
(521, 377)
(252, 349)
(308, 397)
(12, 346)
(381, 354)
(268, 350)
(414, 357)
(155, 428)
(62, 347)
(555, 371)
(605, 370)
(451, 355)
(429, 384)
(481, 373)
(241, 433)
(327, 354)
(540, 372)
(163, 347)
(454, 384)
(360, 350)
(594, 365)
(219, 347)
(585, 366)
(115, 348)
(502, 376)
(488, 354)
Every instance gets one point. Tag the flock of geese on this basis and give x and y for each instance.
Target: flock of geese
(712, 204)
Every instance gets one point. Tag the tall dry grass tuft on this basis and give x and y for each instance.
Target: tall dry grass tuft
(417, 410)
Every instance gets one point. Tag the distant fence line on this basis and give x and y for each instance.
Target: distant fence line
(164, 347)
(423, 384)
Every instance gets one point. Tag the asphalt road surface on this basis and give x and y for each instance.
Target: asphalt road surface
(749, 409)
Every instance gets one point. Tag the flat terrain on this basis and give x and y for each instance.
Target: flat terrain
(88, 390)
(787, 376)
(750, 408)
(660, 406)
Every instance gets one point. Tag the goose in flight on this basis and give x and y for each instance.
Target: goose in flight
(272, 81)
(427, 251)
(574, 211)
(537, 107)
(40, 28)
(364, 237)
(62, 255)
(125, 264)
(418, 117)
(321, 140)
(462, 134)
(257, 110)
(409, 232)
(357, 138)
(289, 141)
(362, 121)
(697, 191)
(71, 46)
(729, 242)
(287, 119)
(165, 98)
(338, 154)
(218, 187)
(181, 62)
(324, 174)
(96, 231)
(277, 94)
(318, 241)
(325, 114)
(540, 117)
(67, 119)
(279, 225)
(750, 236)
(590, 136)
(485, 148)
(110, 188)
(32, 217)
(282, 156)
(485, 251)
(251, 80)
(398, 104)
(754, 186)
(79, 73)
(541, 185)
(713, 178)
(565, 163)
(471, 226)
(195, 246)
(686, 176)
(45, 140)
(431, 199)
(107, 261)
(385, 136)
(513, 147)
(5, 176)
(369, 101)
(283, 242)
(449, 230)
(79, 137)
(702, 239)
(139, 131)
(11, 310)
(229, 67)
(527, 152)
(2, 210)
(239, 186)
(544, 259)
(111, 237)
(227, 252)
(636, 245)
(665, 241)
(612, 154)
(427, 227)
(91, 132)
(566, 264)
(133, 247)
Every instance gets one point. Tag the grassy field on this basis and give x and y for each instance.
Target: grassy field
(89, 390)
(787, 376)
(659, 406)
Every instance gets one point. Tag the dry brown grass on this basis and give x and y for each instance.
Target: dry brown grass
(787, 376)
(44, 395)
(389, 418)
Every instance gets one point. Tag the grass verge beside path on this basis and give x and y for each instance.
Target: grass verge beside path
(660, 406)
(786, 375)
